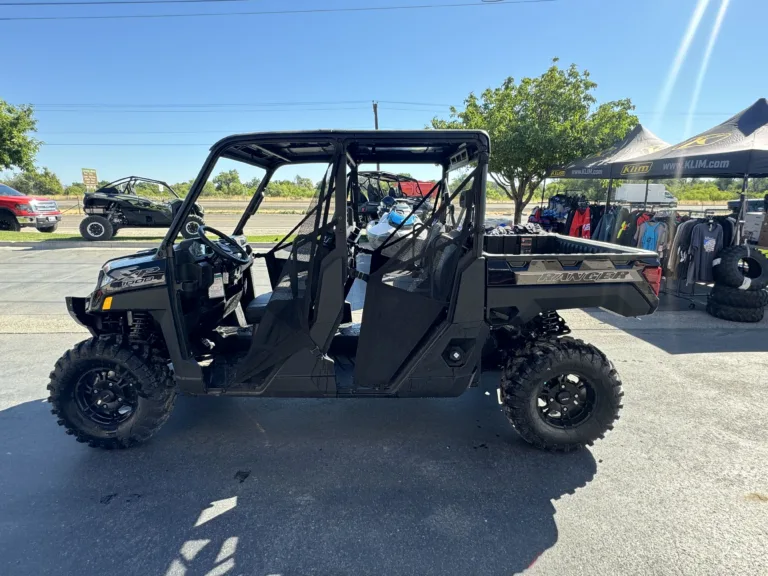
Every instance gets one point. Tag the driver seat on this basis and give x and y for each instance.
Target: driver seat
(254, 312)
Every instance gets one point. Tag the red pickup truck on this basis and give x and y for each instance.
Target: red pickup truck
(17, 210)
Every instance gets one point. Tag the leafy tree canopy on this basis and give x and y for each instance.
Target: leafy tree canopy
(17, 147)
(37, 183)
(541, 122)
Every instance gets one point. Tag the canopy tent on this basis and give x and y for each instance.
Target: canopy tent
(638, 143)
(736, 148)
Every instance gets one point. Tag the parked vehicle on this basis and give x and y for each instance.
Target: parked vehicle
(372, 187)
(187, 317)
(634, 194)
(18, 210)
(118, 205)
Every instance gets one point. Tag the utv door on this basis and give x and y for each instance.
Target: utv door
(288, 348)
(408, 293)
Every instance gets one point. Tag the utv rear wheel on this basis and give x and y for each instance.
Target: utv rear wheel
(191, 226)
(96, 228)
(8, 222)
(110, 394)
(561, 394)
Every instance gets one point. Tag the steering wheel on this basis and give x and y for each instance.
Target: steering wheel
(238, 255)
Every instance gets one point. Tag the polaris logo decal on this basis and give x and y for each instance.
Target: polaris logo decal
(582, 277)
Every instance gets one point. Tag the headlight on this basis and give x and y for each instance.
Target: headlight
(25, 208)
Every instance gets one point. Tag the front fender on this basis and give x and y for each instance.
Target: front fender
(77, 308)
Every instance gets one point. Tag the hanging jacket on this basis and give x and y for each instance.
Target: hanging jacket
(580, 224)
(620, 226)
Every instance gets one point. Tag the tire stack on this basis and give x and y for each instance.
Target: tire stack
(741, 278)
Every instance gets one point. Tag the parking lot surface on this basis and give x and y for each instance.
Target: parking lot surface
(444, 486)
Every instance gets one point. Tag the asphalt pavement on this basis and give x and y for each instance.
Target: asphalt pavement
(444, 486)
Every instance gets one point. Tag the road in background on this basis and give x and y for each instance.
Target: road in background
(225, 214)
(428, 486)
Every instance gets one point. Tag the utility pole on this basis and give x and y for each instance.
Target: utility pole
(376, 123)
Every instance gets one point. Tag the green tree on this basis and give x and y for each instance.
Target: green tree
(539, 123)
(75, 189)
(37, 183)
(228, 183)
(17, 147)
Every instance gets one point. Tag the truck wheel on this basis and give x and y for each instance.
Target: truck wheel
(727, 296)
(741, 267)
(109, 394)
(48, 229)
(9, 223)
(96, 228)
(191, 226)
(734, 314)
(561, 394)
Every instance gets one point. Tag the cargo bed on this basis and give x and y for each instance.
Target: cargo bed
(532, 274)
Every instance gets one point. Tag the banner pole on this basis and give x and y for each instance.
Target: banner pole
(608, 199)
(543, 190)
(645, 200)
(742, 209)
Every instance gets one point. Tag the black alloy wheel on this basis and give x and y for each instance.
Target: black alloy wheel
(96, 229)
(566, 401)
(106, 396)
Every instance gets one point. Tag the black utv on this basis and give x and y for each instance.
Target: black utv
(186, 317)
(119, 204)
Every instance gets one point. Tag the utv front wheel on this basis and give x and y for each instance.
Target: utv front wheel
(561, 394)
(110, 394)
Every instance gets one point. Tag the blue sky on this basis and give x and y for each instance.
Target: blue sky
(433, 56)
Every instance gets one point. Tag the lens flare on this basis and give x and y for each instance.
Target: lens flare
(705, 64)
(682, 52)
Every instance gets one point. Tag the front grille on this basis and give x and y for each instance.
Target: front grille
(46, 206)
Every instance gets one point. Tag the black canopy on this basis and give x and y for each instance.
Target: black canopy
(737, 147)
(638, 143)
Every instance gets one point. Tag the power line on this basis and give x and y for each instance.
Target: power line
(147, 111)
(276, 12)
(177, 105)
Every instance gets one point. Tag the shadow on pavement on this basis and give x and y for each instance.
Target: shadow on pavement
(267, 486)
(690, 332)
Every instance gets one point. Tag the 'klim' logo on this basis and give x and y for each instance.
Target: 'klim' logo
(704, 140)
(557, 174)
(635, 169)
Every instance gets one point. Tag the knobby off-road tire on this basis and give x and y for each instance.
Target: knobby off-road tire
(191, 226)
(734, 314)
(134, 374)
(548, 372)
(741, 267)
(95, 228)
(727, 296)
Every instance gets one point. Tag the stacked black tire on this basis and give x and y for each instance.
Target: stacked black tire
(741, 278)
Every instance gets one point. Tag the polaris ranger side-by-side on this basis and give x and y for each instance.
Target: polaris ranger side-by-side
(185, 317)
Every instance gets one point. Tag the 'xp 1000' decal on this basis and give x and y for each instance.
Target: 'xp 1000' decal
(133, 277)
(581, 277)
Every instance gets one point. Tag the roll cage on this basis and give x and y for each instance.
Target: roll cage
(127, 185)
(448, 149)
